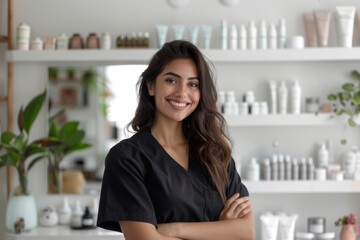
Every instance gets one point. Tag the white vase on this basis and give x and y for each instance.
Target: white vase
(22, 206)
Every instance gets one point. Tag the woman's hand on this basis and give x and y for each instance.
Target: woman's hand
(235, 207)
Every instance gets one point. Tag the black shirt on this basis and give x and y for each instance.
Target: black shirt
(143, 183)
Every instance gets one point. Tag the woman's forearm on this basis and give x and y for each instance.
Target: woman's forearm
(236, 229)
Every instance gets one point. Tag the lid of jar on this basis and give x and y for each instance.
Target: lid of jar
(316, 220)
(312, 100)
(326, 235)
(305, 235)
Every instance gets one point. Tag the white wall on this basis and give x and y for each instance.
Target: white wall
(122, 16)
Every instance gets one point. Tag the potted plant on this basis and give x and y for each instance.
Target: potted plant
(347, 101)
(349, 227)
(18, 151)
(69, 138)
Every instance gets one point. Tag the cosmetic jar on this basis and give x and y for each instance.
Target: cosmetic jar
(297, 42)
(320, 174)
(326, 236)
(36, 44)
(312, 105)
(316, 224)
(304, 236)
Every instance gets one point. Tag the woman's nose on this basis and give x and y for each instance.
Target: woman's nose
(180, 90)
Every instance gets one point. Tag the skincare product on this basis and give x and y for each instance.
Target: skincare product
(316, 224)
(94, 209)
(322, 19)
(349, 164)
(272, 37)
(223, 35)
(326, 236)
(249, 97)
(273, 96)
(320, 174)
(62, 42)
(233, 37)
(281, 167)
(310, 169)
(50, 43)
(264, 110)
(76, 41)
(287, 226)
(244, 108)
(178, 32)
(253, 171)
(282, 33)
(76, 218)
(345, 18)
(266, 169)
(92, 41)
(283, 96)
(274, 168)
(36, 44)
(288, 168)
(65, 212)
(87, 219)
(303, 169)
(269, 226)
(312, 105)
(207, 31)
(161, 32)
(322, 156)
(295, 169)
(262, 35)
(23, 37)
(105, 41)
(310, 29)
(242, 37)
(255, 108)
(222, 101)
(296, 42)
(193, 33)
(304, 236)
(252, 35)
(295, 97)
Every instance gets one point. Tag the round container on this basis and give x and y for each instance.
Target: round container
(320, 174)
(316, 224)
(23, 37)
(244, 108)
(92, 41)
(297, 42)
(312, 105)
(105, 41)
(36, 44)
(76, 42)
(62, 42)
(255, 108)
(264, 110)
(304, 236)
(326, 236)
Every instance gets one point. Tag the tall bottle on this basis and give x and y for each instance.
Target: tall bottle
(323, 156)
(274, 168)
(224, 35)
(273, 96)
(262, 35)
(310, 169)
(253, 170)
(303, 169)
(266, 170)
(252, 35)
(288, 168)
(295, 169)
(272, 36)
(233, 37)
(65, 213)
(281, 167)
(242, 37)
(282, 33)
(295, 97)
(283, 96)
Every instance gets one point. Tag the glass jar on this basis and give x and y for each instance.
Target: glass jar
(316, 225)
(312, 105)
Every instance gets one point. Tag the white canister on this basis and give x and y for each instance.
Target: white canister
(297, 42)
(37, 44)
(320, 174)
(244, 108)
(255, 108)
(105, 41)
(264, 109)
(23, 37)
(253, 170)
(62, 42)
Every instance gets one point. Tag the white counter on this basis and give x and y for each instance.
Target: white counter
(65, 233)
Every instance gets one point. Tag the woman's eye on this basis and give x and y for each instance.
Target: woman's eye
(193, 85)
(169, 80)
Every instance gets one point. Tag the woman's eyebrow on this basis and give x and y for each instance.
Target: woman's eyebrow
(178, 76)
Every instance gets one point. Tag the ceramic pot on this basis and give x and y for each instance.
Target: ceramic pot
(22, 206)
(348, 232)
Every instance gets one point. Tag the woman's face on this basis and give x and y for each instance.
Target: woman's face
(176, 90)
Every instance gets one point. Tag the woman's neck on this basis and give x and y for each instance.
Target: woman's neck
(169, 133)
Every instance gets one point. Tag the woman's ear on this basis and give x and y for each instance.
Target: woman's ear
(150, 87)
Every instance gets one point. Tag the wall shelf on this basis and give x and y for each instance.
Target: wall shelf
(305, 119)
(141, 56)
(329, 186)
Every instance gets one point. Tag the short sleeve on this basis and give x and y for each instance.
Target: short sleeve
(235, 184)
(124, 196)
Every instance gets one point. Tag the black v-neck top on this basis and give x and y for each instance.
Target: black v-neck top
(143, 183)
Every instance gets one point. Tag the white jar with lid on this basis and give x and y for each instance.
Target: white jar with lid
(37, 44)
(326, 236)
(105, 41)
(316, 224)
(23, 37)
(304, 236)
(255, 108)
(62, 42)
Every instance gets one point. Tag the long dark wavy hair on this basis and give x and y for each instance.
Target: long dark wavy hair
(205, 129)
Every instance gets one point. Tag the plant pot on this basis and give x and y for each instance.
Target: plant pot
(22, 206)
(348, 232)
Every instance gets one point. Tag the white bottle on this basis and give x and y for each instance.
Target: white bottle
(303, 169)
(274, 168)
(76, 217)
(288, 167)
(282, 33)
(223, 35)
(262, 35)
(310, 169)
(323, 156)
(272, 36)
(105, 41)
(295, 169)
(65, 213)
(266, 170)
(242, 37)
(252, 35)
(349, 163)
(273, 96)
(23, 37)
(94, 208)
(295, 98)
(281, 167)
(233, 37)
(283, 96)
(253, 170)
(62, 42)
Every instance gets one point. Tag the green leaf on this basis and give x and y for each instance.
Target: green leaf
(332, 97)
(35, 160)
(355, 74)
(343, 141)
(345, 96)
(339, 112)
(348, 112)
(356, 98)
(351, 122)
(348, 87)
(68, 129)
(32, 110)
(53, 130)
(6, 137)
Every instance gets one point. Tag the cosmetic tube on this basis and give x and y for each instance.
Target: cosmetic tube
(282, 33)
(233, 37)
(345, 18)
(178, 32)
(310, 29)
(287, 226)
(283, 97)
(161, 31)
(273, 96)
(223, 35)
(269, 226)
(322, 19)
(272, 37)
(242, 37)
(262, 35)
(252, 35)
(193, 33)
(207, 31)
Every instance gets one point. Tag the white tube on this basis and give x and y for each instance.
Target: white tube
(287, 227)
(178, 32)
(345, 18)
(242, 37)
(233, 37)
(272, 37)
(207, 31)
(282, 33)
(262, 34)
(273, 94)
(223, 35)
(161, 31)
(252, 35)
(193, 33)
(269, 227)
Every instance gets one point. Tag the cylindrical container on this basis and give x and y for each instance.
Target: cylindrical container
(222, 100)
(233, 37)
(272, 37)
(320, 174)
(295, 169)
(310, 169)
(249, 97)
(92, 41)
(242, 37)
(23, 37)
(282, 33)
(296, 42)
(37, 44)
(262, 35)
(223, 35)
(252, 35)
(304, 236)
(76, 42)
(283, 97)
(235, 108)
(322, 156)
(264, 110)
(349, 164)
(281, 167)
(326, 236)
(288, 167)
(303, 169)
(295, 98)
(65, 213)
(230, 96)
(253, 171)
(228, 108)
(105, 41)
(316, 224)
(312, 105)
(266, 170)
(255, 108)
(62, 42)
(244, 108)
(274, 168)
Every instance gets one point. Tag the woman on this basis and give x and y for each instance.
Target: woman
(175, 178)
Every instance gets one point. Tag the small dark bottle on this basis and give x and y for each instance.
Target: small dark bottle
(87, 218)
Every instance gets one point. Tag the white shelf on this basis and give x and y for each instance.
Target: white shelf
(142, 56)
(282, 120)
(329, 186)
